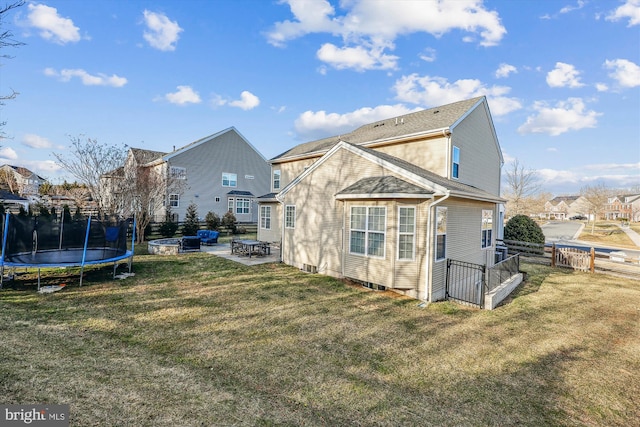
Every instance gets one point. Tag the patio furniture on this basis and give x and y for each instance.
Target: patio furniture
(190, 243)
(208, 237)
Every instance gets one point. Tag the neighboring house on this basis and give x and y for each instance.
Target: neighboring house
(565, 207)
(390, 202)
(222, 172)
(28, 183)
(623, 207)
(13, 202)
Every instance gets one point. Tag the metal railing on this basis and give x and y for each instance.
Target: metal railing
(502, 271)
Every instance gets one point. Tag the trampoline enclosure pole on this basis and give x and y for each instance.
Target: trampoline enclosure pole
(84, 251)
(4, 246)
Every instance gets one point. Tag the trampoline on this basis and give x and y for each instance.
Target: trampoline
(43, 242)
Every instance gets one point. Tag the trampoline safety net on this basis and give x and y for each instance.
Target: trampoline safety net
(61, 241)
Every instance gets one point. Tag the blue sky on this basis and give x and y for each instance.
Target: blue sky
(562, 77)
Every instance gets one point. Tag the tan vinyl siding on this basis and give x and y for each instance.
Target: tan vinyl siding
(464, 220)
(290, 170)
(479, 156)
(429, 154)
(273, 234)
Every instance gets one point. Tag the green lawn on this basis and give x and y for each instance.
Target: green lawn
(606, 233)
(196, 340)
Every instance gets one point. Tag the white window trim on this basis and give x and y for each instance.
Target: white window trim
(413, 234)
(483, 229)
(177, 200)
(273, 179)
(291, 225)
(435, 243)
(228, 176)
(178, 172)
(453, 162)
(367, 232)
(267, 211)
(248, 205)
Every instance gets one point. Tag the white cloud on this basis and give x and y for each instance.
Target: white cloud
(504, 70)
(580, 4)
(625, 72)
(8, 153)
(602, 87)
(247, 101)
(428, 54)
(564, 75)
(358, 58)
(161, 33)
(87, 79)
(35, 141)
(369, 27)
(183, 96)
(52, 26)
(569, 115)
(319, 124)
(432, 91)
(630, 10)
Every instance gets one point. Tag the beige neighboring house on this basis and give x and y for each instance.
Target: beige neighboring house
(28, 183)
(626, 207)
(390, 202)
(565, 207)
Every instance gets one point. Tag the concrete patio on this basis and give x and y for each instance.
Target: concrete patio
(223, 250)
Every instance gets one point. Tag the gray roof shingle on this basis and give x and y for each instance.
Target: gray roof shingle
(384, 185)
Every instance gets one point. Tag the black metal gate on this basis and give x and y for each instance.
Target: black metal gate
(465, 282)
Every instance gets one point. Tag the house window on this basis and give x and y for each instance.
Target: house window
(265, 217)
(174, 200)
(487, 227)
(242, 206)
(406, 232)
(276, 180)
(290, 217)
(367, 234)
(455, 167)
(229, 180)
(217, 199)
(178, 172)
(441, 233)
(230, 204)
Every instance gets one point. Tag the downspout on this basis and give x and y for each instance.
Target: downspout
(343, 243)
(429, 263)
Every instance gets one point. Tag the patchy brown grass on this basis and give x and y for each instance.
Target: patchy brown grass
(606, 233)
(198, 340)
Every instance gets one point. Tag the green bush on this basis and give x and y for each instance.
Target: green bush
(523, 229)
(213, 220)
(229, 222)
(168, 228)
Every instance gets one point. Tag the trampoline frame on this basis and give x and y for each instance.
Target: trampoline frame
(81, 264)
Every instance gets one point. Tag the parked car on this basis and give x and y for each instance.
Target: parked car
(578, 217)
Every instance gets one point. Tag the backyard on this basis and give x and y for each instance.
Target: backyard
(199, 340)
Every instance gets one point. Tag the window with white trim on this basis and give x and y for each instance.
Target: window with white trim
(487, 228)
(229, 179)
(276, 180)
(242, 206)
(174, 200)
(441, 233)
(265, 217)
(177, 172)
(455, 164)
(367, 230)
(290, 216)
(406, 233)
(230, 203)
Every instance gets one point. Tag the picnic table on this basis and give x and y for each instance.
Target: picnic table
(249, 247)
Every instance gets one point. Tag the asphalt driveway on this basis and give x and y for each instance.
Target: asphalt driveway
(555, 231)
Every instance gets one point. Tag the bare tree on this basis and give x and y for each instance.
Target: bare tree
(522, 184)
(6, 40)
(597, 197)
(8, 181)
(88, 161)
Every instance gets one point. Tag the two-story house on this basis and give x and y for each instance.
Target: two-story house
(625, 206)
(390, 202)
(219, 173)
(565, 207)
(27, 182)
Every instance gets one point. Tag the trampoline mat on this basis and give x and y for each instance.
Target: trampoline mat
(66, 257)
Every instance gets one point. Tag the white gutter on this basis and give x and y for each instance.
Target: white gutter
(429, 263)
